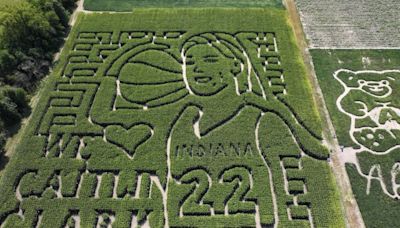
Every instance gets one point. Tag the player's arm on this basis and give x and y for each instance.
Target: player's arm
(306, 141)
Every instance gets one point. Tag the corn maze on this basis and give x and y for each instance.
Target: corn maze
(362, 98)
(375, 123)
(160, 119)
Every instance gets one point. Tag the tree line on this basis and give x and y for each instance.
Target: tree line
(31, 31)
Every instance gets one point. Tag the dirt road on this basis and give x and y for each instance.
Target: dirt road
(349, 205)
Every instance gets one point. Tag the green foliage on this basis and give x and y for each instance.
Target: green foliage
(382, 140)
(128, 139)
(376, 208)
(2, 139)
(385, 163)
(25, 27)
(36, 24)
(55, 13)
(143, 119)
(322, 196)
(30, 31)
(9, 111)
(17, 96)
(69, 5)
(7, 62)
(328, 61)
(128, 5)
(13, 105)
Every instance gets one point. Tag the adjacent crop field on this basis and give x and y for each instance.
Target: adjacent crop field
(362, 91)
(174, 118)
(128, 5)
(351, 24)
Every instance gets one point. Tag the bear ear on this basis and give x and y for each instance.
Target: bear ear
(348, 78)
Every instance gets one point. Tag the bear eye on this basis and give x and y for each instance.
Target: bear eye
(385, 82)
(362, 82)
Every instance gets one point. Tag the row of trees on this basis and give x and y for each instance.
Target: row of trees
(31, 31)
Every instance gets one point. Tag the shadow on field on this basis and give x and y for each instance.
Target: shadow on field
(3, 160)
(11, 132)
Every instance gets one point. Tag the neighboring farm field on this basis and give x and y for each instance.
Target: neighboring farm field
(174, 118)
(351, 24)
(129, 5)
(362, 91)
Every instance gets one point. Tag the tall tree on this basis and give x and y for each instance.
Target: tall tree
(25, 27)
